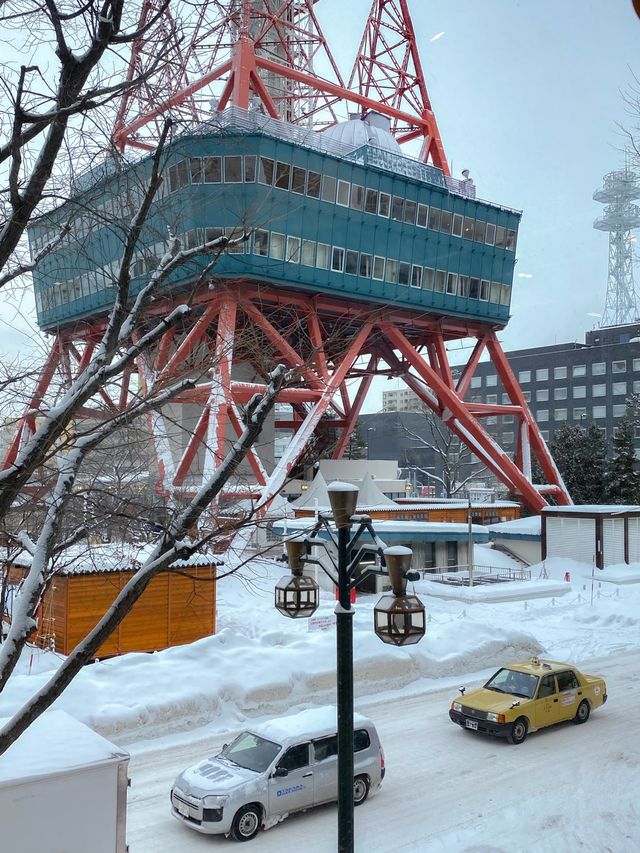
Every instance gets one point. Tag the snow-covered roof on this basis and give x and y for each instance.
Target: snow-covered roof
(454, 503)
(592, 509)
(121, 557)
(402, 531)
(369, 496)
(519, 527)
(313, 722)
(55, 743)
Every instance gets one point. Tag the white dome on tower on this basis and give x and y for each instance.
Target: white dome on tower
(374, 129)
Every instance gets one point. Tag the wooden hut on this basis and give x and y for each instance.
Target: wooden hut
(177, 607)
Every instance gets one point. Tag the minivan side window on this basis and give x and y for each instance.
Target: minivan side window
(295, 757)
(325, 748)
(361, 740)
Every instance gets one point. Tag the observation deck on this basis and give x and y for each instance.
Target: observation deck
(360, 222)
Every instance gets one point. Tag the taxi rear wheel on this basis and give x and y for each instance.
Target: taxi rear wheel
(582, 714)
(518, 731)
(360, 790)
(246, 823)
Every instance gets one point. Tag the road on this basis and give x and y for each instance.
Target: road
(566, 788)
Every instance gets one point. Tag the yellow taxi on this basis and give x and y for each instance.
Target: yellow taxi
(523, 697)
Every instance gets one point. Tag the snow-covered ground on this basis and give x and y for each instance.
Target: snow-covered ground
(260, 664)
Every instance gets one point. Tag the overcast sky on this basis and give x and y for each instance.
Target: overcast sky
(528, 97)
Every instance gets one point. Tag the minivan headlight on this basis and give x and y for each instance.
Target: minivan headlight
(456, 706)
(214, 802)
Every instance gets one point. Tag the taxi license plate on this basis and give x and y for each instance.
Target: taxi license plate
(183, 808)
(471, 724)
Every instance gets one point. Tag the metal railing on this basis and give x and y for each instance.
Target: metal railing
(480, 576)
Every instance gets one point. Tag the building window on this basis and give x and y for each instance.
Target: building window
(452, 554)
(559, 393)
(636, 363)
(261, 243)
(384, 204)
(213, 169)
(343, 194)
(423, 213)
(410, 212)
(490, 234)
(277, 246)
(329, 185)
(524, 376)
(599, 368)
(308, 253)
(619, 411)
(598, 390)
(476, 382)
(428, 278)
(599, 412)
(507, 419)
(365, 265)
(416, 276)
(351, 262)
(357, 197)
(434, 218)
(378, 268)
(542, 394)
(492, 399)
(619, 388)
(579, 413)
(397, 207)
(445, 222)
(579, 370)
(560, 415)
(545, 434)
(337, 259)
(429, 555)
(542, 415)
(322, 256)
(404, 273)
(492, 419)
(293, 250)
(457, 225)
(314, 184)
(391, 273)
(527, 396)
(559, 372)
(232, 170)
(636, 387)
(618, 366)
(542, 374)
(298, 180)
(491, 380)
(579, 392)
(371, 201)
(283, 176)
(507, 438)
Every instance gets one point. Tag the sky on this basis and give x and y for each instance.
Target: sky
(529, 97)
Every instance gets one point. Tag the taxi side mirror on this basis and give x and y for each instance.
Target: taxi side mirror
(280, 771)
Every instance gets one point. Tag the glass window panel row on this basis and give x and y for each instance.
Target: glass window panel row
(284, 176)
(338, 259)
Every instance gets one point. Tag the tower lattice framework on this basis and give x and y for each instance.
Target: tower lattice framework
(273, 56)
(620, 216)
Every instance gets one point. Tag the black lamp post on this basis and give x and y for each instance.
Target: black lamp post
(398, 618)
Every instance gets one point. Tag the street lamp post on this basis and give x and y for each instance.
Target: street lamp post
(398, 618)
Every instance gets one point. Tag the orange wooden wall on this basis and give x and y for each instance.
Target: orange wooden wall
(174, 609)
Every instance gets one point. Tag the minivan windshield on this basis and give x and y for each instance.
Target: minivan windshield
(513, 682)
(251, 752)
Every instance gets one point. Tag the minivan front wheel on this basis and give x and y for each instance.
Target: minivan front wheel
(360, 790)
(246, 823)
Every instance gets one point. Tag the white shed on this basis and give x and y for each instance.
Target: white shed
(604, 535)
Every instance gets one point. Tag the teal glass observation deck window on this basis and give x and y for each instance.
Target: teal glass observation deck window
(367, 224)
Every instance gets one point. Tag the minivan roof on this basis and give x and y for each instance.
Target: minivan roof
(312, 723)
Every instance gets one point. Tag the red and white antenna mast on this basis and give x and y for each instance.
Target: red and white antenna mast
(388, 69)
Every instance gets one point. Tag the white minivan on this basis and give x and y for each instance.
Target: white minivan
(271, 770)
